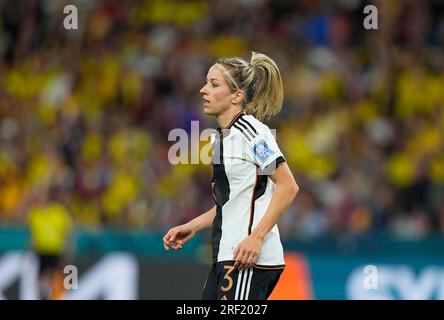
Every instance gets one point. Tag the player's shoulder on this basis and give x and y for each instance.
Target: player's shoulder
(251, 129)
(248, 126)
(260, 127)
(213, 135)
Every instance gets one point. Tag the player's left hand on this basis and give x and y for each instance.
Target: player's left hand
(246, 253)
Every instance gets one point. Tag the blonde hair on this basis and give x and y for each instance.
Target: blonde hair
(261, 81)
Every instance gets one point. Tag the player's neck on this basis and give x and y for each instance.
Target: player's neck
(225, 119)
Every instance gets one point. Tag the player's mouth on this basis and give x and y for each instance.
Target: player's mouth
(205, 102)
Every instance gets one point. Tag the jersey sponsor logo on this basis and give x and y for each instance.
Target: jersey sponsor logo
(262, 151)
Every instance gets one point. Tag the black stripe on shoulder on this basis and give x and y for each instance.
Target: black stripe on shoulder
(246, 129)
(249, 124)
(242, 130)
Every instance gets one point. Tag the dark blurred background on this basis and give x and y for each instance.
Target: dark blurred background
(85, 114)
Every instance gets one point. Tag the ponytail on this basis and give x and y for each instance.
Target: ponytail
(268, 90)
(261, 81)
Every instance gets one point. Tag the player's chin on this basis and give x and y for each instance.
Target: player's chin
(208, 111)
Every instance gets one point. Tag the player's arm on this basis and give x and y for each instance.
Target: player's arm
(203, 221)
(176, 237)
(247, 252)
(283, 196)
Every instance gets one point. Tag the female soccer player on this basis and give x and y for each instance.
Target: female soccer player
(252, 184)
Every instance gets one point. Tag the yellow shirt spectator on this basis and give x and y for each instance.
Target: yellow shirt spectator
(49, 226)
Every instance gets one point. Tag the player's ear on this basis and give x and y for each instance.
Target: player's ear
(238, 96)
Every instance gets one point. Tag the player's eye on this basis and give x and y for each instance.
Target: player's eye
(212, 84)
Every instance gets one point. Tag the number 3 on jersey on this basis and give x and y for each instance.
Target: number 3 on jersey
(228, 278)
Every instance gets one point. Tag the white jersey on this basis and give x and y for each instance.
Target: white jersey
(243, 154)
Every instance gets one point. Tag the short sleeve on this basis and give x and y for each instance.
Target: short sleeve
(264, 151)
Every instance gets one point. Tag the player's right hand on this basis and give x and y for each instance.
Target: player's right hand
(176, 237)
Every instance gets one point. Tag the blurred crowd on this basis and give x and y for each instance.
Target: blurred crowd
(85, 114)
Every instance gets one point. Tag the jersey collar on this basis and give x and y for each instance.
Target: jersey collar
(236, 117)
